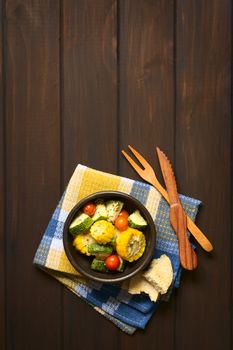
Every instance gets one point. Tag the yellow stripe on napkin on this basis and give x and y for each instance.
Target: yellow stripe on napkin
(73, 189)
(95, 181)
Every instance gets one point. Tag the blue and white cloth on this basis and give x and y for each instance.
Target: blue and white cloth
(127, 311)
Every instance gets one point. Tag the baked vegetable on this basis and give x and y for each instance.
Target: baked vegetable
(80, 224)
(82, 241)
(99, 250)
(113, 241)
(114, 238)
(121, 223)
(113, 209)
(130, 244)
(112, 262)
(100, 212)
(135, 220)
(109, 233)
(102, 231)
(121, 267)
(89, 208)
(124, 213)
(99, 265)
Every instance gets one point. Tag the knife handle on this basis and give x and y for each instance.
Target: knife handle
(192, 227)
(188, 257)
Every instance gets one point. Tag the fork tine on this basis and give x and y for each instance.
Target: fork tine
(142, 160)
(132, 162)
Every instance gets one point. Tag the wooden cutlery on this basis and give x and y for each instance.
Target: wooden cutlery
(147, 173)
(188, 257)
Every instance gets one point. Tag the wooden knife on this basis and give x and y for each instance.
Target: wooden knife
(188, 257)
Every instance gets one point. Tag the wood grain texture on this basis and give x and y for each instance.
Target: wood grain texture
(80, 80)
(90, 90)
(203, 141)
(146, 78)
(188, 257)
(178, 218)
(90, 130)
(32, 155)
(146, 105)
(2, 188)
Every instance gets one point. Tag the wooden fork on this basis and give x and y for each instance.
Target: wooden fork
(148, 175)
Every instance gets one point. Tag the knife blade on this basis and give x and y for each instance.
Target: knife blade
(169, 177)
(178, 220)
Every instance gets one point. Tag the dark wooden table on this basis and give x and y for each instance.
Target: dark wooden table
(81, 79)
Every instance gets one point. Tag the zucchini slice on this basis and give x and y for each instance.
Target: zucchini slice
(101, 251)
(99, 265)
(121, 267)
(136, 220)
(113, 209)
(101, 211)
(80, 224)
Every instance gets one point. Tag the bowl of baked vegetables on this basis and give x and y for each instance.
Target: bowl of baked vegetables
(109, 236)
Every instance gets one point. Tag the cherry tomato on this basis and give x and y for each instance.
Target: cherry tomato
(89, 208)
(112, 262)
(121, 223)
(124, 213)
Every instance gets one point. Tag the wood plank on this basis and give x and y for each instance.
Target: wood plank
(2, 187)
(203, 166)
(146, 78)
(90, 131)
(146, 116)
(33, 181)
(90, 84)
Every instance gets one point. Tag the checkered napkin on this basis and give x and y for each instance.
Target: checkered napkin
(127, 311)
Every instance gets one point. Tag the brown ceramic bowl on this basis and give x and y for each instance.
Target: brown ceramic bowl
(82, 263)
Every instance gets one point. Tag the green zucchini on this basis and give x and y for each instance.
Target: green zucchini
(135, 220)
(99, 265)
(113, 209)
(121, 267)
(113, 240)
(99, 250)
(100, 212)
(80, 224)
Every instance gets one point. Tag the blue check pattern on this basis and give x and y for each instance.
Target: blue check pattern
(126, 311)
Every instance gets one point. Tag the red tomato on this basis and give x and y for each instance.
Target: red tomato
(121, 223)
(89, 208)
(112, 262)
(124, 213)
